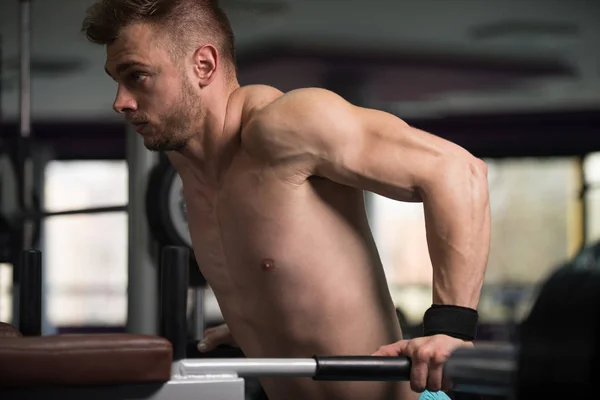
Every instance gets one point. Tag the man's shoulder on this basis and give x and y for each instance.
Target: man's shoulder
(279, 125)
(266, 116)
(254, 98)
(261, 100)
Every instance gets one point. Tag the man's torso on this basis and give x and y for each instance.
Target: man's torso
(293, 265)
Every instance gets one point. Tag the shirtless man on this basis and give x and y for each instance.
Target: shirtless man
(274, 189)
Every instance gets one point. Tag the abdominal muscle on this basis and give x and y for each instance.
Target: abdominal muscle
(296, 274)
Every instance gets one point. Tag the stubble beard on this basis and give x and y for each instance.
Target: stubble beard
(176, 128)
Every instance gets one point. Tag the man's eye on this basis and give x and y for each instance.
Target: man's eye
(136, 77)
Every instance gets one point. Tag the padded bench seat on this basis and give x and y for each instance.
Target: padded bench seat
(7, 330)
(82, 360)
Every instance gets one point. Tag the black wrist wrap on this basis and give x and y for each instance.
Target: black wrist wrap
(456, 321)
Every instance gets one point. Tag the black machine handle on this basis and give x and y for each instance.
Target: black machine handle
(173, 298)
(362, 368)
(30, 293)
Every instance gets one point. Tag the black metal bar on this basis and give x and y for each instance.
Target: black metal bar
(91, 210)
(174, 267)
(39, 214)
(26, 163)
(362, 368)
(25, 67)
(489, 368)
(30, 294)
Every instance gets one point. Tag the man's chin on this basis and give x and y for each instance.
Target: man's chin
(155, 145)
(152, 144)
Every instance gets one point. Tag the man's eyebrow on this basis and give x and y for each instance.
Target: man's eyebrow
(120, 68)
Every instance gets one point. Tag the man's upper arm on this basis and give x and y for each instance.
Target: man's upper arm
(319, 133)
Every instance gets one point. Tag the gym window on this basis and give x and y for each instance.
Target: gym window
(85, 256)
(535, 227)
(6, 278)
(591, 169)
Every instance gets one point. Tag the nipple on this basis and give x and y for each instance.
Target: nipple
(268, 264)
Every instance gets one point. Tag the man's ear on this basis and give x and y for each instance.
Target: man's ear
(206, 61)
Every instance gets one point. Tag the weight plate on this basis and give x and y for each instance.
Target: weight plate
(165, 206)
(177, 216)
(167, 214)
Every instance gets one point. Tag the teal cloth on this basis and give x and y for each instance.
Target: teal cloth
(427, 395)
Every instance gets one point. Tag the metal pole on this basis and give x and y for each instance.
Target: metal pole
(30, 299)
(142, 291)
(342, 368)
(23, 164)
(249, 367)
(198, 316)
(174, 267)
(44, 154)
(25, 119)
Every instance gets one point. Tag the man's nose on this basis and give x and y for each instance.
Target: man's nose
(124, 101)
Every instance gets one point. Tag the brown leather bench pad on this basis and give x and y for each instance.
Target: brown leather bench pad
(7, 330)
(90, 359)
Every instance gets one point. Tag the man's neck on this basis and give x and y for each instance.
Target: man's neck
(208, 153)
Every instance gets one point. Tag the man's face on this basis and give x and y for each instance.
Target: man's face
(154, 93)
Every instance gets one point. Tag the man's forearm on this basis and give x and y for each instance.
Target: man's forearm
(457, 218)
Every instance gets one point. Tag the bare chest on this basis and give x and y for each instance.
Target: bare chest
(261, 229)
(240, 227)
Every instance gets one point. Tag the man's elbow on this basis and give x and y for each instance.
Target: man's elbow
(477, 180)
(464, 172)
(478, 169)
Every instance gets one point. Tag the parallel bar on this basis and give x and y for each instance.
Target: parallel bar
(250, 367)
(351, 368)
(362, 368)
(30, 295)
(92, 210)
(47, 214)
(486, 369)
(173, 298)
